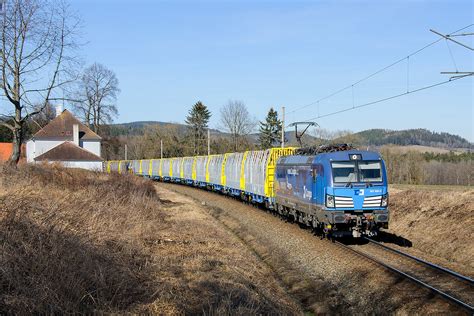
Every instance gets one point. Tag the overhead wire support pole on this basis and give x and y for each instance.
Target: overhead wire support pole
(449, 37)
(282, 127)
(462, 34)
(459, 74)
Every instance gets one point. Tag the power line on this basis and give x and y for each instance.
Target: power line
(375, 73)
(390, 97)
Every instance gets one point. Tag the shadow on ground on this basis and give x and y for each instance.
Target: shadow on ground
(390, 238)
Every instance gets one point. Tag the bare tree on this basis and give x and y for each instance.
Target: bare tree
(97, 95)
(44, 115)
(36, 36)
(236, 120)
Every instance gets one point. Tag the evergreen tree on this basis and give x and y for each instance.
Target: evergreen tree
(197, 120)
(270, 130)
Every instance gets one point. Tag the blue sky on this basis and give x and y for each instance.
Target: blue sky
(170, 54)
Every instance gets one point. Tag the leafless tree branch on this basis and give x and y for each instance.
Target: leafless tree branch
(236, 119)
(36, 37)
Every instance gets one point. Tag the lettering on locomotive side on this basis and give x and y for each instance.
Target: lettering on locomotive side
(292, 172)
(375, 191)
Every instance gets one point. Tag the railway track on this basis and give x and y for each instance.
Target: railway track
(448, 284)
(451, 285)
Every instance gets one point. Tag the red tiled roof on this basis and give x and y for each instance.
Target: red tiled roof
(68, 151)
(61, 128)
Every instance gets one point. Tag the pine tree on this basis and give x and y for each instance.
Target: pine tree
(197, 120)
(270, 130)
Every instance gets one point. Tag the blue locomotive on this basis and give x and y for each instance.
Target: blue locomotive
(340, 193)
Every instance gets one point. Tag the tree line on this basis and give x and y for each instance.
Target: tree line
(428, 168)
(235, 120)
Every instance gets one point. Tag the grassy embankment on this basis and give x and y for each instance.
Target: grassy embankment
(76, 241)
(438, 220)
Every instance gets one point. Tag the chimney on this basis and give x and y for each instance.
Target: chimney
(59, 110)
(75, 133)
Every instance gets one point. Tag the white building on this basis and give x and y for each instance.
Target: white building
(67, 141)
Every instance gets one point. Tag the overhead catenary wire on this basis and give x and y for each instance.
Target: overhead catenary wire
(351, 86)
(390, 97)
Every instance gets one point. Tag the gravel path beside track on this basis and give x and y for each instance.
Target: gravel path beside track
(322, 276)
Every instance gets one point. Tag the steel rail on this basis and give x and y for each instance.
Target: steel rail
(466, 306)
(432, 265)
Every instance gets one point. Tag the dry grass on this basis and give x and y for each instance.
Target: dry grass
(436, 220)
(73, 241)
(429, 187)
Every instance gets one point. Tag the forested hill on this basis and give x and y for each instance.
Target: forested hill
(139, 127)
(133, 128)
(372, 137)
(423, 137)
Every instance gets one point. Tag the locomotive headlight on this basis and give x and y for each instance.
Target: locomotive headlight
(384, 201)
(329, 200)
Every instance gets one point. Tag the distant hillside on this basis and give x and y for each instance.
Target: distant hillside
(421, 137)
(371, 137)
(139, 127)
(133, 128)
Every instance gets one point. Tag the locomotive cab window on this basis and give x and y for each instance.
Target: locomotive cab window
(344, 171)
(357, 171)
(370, 171)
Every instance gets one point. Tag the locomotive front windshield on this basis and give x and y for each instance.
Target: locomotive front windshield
(344, 171)
(356, 171)
(370, 171)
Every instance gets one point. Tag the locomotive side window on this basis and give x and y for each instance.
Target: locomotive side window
(344, 172)
(370, 171)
